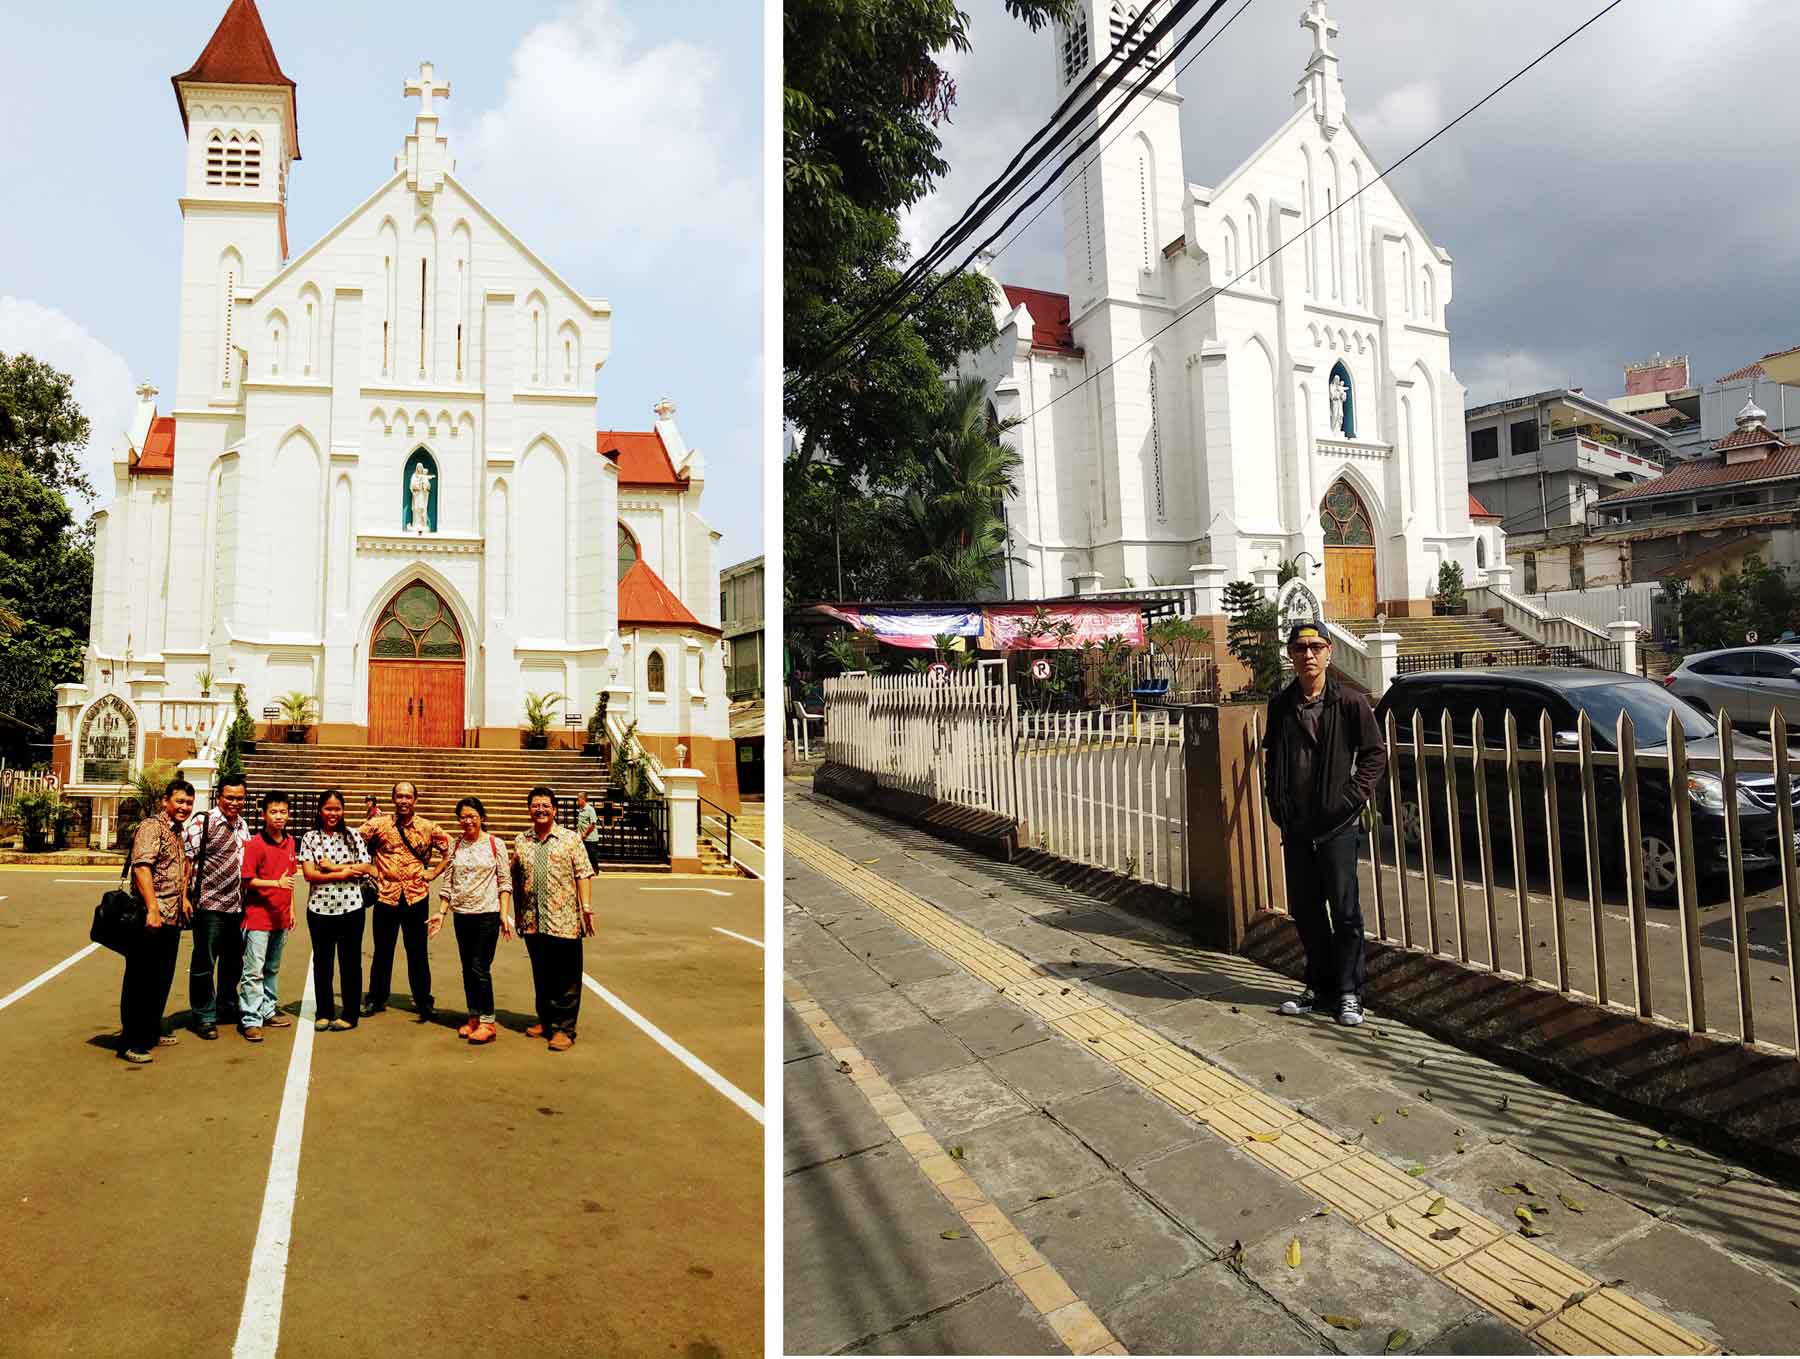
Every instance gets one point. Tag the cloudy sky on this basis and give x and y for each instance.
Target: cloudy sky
(620, 139)
(1627, 196)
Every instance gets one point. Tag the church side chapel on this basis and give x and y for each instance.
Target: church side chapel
(379, 483)
(1246, 407)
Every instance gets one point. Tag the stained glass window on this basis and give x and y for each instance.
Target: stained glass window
(655, 668)
(628, 550)
(1344, 518)
(417, 625)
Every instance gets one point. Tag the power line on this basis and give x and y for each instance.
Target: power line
(874, 314)
(1118, 60)
(1213, 292)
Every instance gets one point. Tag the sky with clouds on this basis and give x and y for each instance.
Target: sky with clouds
(1625, 197)
(620, 139)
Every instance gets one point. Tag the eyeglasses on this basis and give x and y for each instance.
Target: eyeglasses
(1303, 648)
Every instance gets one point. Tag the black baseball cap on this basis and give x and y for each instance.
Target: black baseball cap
(1307, 632)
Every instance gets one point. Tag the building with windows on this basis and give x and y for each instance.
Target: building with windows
(741, 619)
(1238, 374)
(379, 482)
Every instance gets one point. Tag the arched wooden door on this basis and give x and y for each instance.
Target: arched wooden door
(1349, 553)
(416, 672)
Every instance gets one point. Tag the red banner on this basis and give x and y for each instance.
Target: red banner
(1004, 625)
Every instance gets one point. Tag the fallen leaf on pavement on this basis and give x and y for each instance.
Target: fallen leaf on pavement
(1572, 1204)
(1233, 1256)
(1539, 1207)
(952, 1235)
(1279, 1076)
(1526, 1303)
(1416, 1171)
(1377, 1120)
(1236, 1011)
(871, 861)
(1530, 1229)
(1265, 1137)
(1398, 1339)
(1342, 1323)
(1462, 1148)
(1039, 1198)
(1446, 1233)
(1661, 1144)
(1404, 1112)
(1523, 1214)
(1622, 1159)
(1524, 1187)
(1436, 1207)
(844, 1067)
(1510, 1189)
(1293, 1253)
(1393, 1222)
(956, 1153)
(1426, 1094)
(1324, 1212)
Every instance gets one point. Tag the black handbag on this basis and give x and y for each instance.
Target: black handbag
(119, 918)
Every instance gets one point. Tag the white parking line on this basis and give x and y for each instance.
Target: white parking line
(711, 891)
(717, 929)
(43, 977)
(259, 1325)
(679, 1053)
(95, 882)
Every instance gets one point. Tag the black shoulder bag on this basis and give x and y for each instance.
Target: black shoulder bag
(119, 918)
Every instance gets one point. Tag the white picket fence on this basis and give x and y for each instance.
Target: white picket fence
(1104, 788)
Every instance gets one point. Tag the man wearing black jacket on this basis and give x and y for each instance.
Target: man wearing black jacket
(1323, 760)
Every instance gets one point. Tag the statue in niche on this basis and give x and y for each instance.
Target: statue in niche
(1338, 392)
(420, 486)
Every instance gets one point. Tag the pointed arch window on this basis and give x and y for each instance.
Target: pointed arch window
(1075, 48)
(1344, 518)
(1156, 452)
(1115, 27)
(1144, 251)
(417, 625)
(628, 550)
(656, 674)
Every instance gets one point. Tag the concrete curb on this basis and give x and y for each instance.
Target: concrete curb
(986, 833)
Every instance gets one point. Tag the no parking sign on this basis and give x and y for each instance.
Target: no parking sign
(1040, 669)
(939, 673)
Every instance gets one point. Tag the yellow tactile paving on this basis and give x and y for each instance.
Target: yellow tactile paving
(1071, 1319)
(1489, 1264)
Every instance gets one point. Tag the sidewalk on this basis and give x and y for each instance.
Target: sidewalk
(1141, 1137)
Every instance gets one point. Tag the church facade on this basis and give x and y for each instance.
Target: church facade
(1239, 374)
(379, 481)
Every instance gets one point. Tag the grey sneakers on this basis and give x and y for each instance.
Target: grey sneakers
(1303, 1004)
(1350, 1011)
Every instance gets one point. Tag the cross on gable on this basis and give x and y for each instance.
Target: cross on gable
(425, 87)
(1324, 27)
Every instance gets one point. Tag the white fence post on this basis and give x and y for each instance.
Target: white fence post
(1625, 637)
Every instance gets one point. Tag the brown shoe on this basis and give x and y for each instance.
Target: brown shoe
(252, 1035)
(278, 1021)
(535, 1031)
(561, 1042)
(483, 1033)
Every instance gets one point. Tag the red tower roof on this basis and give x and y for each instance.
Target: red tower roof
(642, 457)
(157, 456)
(239, 54)
(1050, 328)
(646, 602)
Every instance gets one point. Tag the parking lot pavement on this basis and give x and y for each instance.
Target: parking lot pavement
(603, 1200)
(1139, 1140)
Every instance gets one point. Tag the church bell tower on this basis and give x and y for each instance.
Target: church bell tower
(239, 112)
(1122, 203)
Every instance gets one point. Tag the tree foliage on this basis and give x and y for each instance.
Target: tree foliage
(953, 514)
(1754, 598)
(40, 424)
(864, 89)
(1252, 635)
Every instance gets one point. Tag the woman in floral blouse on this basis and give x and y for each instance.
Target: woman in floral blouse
(336, 864)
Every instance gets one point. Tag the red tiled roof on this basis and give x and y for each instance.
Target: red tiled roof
(238, 54)
(1658, 416)
(642, 457)
(1746, 438)
(157, 457)
(1479, 511)
(1704, 473)
(644, 601)
(1050, 328)
(1750, 370)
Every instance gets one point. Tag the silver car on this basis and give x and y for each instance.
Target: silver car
(1748, 682)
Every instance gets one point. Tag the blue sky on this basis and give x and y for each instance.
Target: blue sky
(621, 140)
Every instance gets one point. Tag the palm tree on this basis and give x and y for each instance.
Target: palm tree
(954, 518)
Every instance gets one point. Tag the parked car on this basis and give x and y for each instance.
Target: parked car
(1528, 693)
(1748, 682)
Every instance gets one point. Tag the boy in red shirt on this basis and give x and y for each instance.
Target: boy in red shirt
(268, 916)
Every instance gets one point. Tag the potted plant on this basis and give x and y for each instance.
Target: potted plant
(1450, 597)
(40, 813)
(596, 727)
(629, 764)
(299, 710)
(205, 679)
(538, 709)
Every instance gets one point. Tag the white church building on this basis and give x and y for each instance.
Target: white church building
(1238, 374)
(379, 480)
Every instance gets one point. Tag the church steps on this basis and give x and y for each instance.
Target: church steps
(1444, 634)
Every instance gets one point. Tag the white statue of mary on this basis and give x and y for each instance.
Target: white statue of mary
(420, 486)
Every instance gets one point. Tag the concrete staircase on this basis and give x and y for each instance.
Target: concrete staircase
(500, 778)
(1442, 636)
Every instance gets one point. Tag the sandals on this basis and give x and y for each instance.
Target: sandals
(341, 1026)
(320, 1025)
(135, 1057)
(168, 1040)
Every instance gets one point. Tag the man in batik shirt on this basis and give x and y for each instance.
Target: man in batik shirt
(553, 914)
(404, 847)
(159, 876)
(214, 841)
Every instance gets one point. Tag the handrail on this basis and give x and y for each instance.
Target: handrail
(653, 767)
(708, 802)
(1352, 657)
(1522, 616)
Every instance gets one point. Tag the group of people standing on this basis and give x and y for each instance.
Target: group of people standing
(234, 888)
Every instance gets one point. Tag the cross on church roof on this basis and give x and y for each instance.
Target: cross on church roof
(1324, 27)
(425, 87)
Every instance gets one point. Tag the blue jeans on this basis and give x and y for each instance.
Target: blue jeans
(262, 966)
(218, 947)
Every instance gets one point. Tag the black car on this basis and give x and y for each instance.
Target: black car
(1528, 693)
